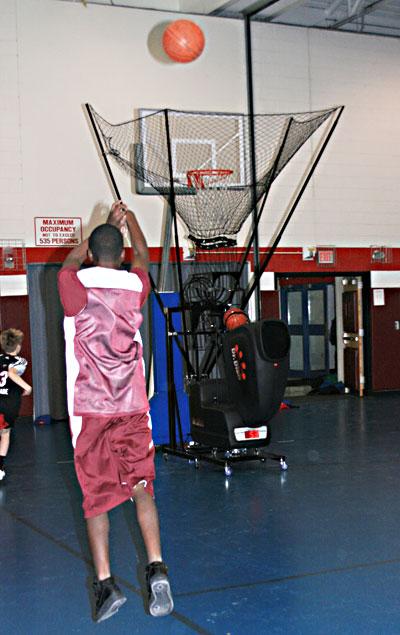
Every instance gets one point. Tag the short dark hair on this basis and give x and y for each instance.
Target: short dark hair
(10, 339)
(106, 243)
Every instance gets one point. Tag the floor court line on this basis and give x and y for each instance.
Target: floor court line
(299, 576)
(137, 591)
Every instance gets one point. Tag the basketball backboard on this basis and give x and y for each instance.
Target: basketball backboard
(197, 141)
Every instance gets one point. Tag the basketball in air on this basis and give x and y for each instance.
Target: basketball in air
(234, 317)
(183, 41)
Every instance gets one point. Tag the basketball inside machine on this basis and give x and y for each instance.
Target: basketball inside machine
(235, 380)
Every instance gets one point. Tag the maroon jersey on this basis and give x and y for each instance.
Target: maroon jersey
(105, 373)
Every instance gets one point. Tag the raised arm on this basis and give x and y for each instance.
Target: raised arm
(121, 215)
(77, 256)
(139, 244)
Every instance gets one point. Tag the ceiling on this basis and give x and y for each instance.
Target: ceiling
(370, 17)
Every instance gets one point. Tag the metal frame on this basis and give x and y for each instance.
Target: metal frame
(195, 452)
(214, 455)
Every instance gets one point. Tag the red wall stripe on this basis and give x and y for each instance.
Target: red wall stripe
(285, 259)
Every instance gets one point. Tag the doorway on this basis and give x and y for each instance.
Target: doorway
(309, 311)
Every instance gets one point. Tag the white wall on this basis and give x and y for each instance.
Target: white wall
(55, 56)
(354, 198)
(68, 55)
(12, 212)
(13, 285)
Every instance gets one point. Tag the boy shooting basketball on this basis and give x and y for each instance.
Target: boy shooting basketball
(107, 401)
(12, 387)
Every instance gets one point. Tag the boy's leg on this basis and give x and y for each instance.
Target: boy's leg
(160, 597)
(4, 445)
(108, 595)
(147, 516)
(98, 529)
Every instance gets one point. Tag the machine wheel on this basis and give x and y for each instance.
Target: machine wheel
(228, 470)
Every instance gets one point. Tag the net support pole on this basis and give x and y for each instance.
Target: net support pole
(115, 187)
(162, 281)
(250, 105)
(109, 173)
(172, 208)
(270, 180)
(295, 201)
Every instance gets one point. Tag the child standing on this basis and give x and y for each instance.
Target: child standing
(12, 387)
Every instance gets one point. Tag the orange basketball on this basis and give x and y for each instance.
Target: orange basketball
(183, 41)
(234, 317)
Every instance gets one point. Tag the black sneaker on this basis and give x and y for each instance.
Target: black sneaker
(160, 597)
(108, 598)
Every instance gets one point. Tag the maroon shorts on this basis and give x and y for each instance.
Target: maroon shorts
(112, 455)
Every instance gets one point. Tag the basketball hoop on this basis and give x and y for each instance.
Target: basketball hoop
(207, 184)
(203, 179)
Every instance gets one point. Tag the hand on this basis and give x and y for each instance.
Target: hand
(117, 215)
(27, 392)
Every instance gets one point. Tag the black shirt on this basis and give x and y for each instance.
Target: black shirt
(10, 392)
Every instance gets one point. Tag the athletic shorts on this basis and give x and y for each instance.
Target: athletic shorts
(9, 410)
(4, 424)
(111, 457)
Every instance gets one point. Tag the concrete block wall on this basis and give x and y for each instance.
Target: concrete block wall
(55, 56)
(354, 197)
(12, 220)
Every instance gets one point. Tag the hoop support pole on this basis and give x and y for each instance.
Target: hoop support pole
(250, 102)
(268, 187)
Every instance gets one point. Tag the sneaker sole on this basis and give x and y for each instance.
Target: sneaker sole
(161, 602)
(110, 607)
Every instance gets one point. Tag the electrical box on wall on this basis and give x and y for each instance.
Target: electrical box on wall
(12, 256)
(381, 255)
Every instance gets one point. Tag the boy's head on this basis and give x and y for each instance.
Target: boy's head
(11, 341)
(106, 245)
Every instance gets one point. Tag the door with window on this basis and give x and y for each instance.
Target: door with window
(353, 334)
(309, 310)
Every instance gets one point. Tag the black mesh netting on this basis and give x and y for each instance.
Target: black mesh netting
(160, 149)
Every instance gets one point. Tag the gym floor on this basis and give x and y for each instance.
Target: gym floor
(311, 550)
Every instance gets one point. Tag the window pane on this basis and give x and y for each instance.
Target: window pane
(316, 314)
(296, 352)
(295, 313)
(317, 352)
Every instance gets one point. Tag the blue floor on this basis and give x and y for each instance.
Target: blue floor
(314, 550)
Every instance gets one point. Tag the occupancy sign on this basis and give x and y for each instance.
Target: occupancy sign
(58, 232)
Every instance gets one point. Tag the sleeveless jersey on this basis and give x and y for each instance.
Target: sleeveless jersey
(105, 373)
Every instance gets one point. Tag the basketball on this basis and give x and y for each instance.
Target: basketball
(183, 41)
(234, 317)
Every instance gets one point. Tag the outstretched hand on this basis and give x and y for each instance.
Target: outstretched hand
(117, 215)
